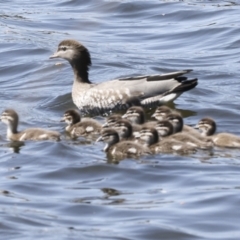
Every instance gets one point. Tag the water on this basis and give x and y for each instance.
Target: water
(69, 189)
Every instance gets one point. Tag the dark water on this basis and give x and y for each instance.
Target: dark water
(69, 189)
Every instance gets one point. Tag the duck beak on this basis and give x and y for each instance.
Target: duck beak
(100, 139)
(55, 55)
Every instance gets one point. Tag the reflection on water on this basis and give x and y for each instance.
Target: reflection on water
(71, 187)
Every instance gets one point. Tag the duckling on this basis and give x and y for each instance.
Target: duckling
(164, 128)
(161, 112)
(177, 121)
(80, 127)
(189, 138)
(136, 116)
(10, 118)
(149, 137)
(208, 127)
(121, 149)
(111, 120)
(124, 129)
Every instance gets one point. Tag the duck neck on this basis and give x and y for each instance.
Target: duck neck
(155, 138)
(210, 131)
(111, 143)
(11, 129)
(106, 148)
(178, 126)
(141, 119)
(80, 70)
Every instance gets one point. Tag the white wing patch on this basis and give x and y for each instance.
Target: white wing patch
(43, 136)
(176, 147)
(169, 97)
(132, 150)
(89, 129)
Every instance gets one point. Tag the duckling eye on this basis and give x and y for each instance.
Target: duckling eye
(63, 48)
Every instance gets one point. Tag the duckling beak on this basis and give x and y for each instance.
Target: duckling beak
(55, 55)
(196, 126)
(154, 115)
(62, 119)
(2, 117)
(105, 125)
(100, 139)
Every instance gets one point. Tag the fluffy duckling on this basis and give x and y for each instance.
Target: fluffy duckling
(124, 129)
(77, 127)
(136, 116)
(187, 137)
(164, 128)
(149, 137)
(161, 112)
(121, 149)
(177, 121)
(208, 127)
(10, 118)
(111, 120)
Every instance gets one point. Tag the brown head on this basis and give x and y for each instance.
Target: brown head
(207, 126)
(135, 114)
(176, 120)
(77, 55)
(161, 112)
(164, 128)
(10, 118)
(71, 117)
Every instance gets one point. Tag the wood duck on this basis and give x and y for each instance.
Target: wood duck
(118, 94)
(208, 128)
(149, 137)
(10, 118)
(121, 149)
(77, 127)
